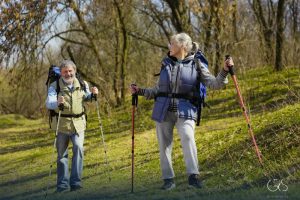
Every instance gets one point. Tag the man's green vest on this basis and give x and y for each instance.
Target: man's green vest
(74, 105)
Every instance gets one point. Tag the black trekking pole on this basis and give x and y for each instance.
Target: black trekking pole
(61, 108)
(258, 153)
(94, 96)
(134, 104)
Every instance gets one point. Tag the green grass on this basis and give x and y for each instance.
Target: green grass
(228, 165)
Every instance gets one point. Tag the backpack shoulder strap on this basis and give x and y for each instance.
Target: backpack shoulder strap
(161, 68)
(200, 61)
(57, 87)
(81, 82)
(165, 62)
(200, 58)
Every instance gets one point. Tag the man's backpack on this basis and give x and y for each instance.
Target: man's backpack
(54, 76)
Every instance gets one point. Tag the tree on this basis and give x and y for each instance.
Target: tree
(21, 26)
(266, 25)
(216, 8)
(292, 40)
(118, 42)
(279, 34)
(122, 44)
(181, 19)
(85, 29)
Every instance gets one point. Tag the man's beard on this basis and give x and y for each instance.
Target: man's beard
(69, 80)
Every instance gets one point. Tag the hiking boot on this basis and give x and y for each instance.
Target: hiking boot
(61, 190)
(168, 184)
(194, 181)
(75, 188)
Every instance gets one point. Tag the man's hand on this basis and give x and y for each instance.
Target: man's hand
(60, 100)
(95, 90)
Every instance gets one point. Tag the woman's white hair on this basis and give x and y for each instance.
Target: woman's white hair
(67, 63)
(185, 41)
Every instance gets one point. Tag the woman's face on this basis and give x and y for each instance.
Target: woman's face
(175, 49)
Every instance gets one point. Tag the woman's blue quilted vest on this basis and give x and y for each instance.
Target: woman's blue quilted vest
(187, 80)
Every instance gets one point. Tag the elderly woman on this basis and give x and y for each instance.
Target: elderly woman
(183, 69)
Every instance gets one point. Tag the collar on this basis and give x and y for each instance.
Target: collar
(64, 87)
(187, 59)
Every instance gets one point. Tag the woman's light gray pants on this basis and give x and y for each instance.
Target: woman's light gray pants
(164, 131)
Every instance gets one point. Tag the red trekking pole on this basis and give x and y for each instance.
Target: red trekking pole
(134, 106)
(244, 110)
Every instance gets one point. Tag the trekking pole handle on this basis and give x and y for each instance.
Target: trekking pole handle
(93, 96)
(61, 106)
(231, 71)
(134, 99)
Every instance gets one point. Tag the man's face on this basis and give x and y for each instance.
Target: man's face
(68, 74)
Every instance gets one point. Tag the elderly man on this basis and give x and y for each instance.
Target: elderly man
(71, 94)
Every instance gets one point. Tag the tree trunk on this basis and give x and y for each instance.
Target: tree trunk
(117, 63)
(234, 21)
(86, 31)
(295, 14)
(180, 16)
(218, 28)
(295, 34)
(279, 35)
(208, 29)
(266, 30)
(124, 62)
(124, 55)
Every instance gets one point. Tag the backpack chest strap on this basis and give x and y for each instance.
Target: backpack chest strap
(188, 96)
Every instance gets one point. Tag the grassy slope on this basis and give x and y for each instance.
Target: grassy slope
(228, 164)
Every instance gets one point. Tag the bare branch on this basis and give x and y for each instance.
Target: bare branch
(152, 42)
(65, 39)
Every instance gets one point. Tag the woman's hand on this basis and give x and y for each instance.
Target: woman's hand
(134, 88)
(228, 63)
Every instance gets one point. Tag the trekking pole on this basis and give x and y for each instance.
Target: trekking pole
(231, 71)
(61, 108)
(134, 105)
(94, 96)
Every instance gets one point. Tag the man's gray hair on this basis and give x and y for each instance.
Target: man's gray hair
(67, 63)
